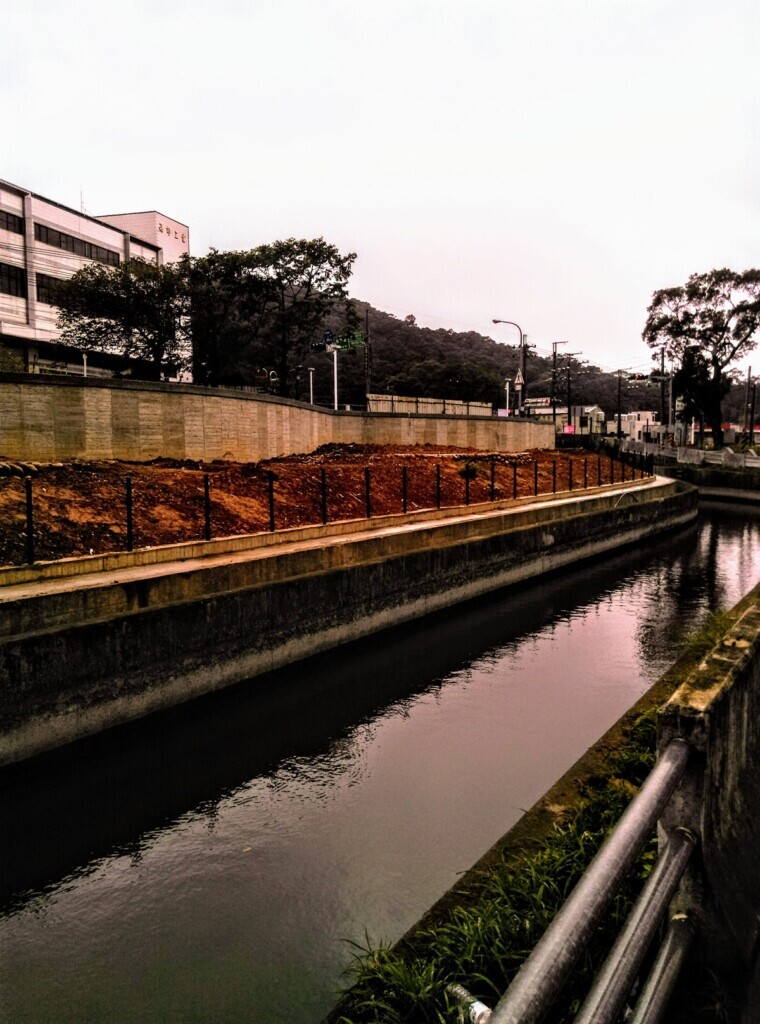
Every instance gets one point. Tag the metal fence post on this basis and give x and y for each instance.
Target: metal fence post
(367, 493)
(569, 474)
(438, 485)
(206, 507)
(535, 479)
(404, 493)
(29, 520)
(554, 476)
(130, 537)
(493, 478)
(270, 476)
(323, 479)
(514, 479)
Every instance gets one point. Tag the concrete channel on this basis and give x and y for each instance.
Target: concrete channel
(87, 644)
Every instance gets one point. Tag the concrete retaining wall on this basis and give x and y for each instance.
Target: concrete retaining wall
(717, 709)
(49, 419)
(86, 652)
(719, 482)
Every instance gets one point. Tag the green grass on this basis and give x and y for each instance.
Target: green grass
(482, 940)
(711, 632)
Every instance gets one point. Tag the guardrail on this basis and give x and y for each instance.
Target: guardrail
(539, 981)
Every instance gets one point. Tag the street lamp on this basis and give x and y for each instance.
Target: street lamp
(518, 387)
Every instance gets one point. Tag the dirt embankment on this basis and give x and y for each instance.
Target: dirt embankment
(81, 507)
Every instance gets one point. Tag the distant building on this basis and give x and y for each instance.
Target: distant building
(583, 419)
(638, 426)
(41, 242)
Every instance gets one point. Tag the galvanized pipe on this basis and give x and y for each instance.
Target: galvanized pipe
(538, 982)
(613, 983)
(659, 986)
(477, 1012)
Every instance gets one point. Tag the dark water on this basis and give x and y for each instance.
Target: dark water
(208, 865)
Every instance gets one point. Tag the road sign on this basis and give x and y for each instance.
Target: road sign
(350, 340)
(519, 379)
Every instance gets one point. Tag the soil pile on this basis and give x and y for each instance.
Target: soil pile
(81, 507)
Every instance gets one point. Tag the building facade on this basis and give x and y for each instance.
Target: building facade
(41, 242)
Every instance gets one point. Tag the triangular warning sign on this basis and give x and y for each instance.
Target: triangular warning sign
(519, 378)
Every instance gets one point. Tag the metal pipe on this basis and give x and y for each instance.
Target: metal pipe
(614, 981)
(539, 980)
(659, 985)
(477, 1012)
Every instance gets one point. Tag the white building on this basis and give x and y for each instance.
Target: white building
(638, 426)
(41, 242)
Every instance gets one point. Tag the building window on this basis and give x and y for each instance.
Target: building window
(78, 246)
(11, 222)
(46, 287)
(12, 280)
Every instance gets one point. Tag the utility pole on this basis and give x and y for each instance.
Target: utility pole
(619, 411)
(746, 400)
(662, 393)
(554, 381)
(569, 410)
(522, 370)
(367, 356)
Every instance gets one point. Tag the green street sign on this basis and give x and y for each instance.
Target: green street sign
(348, 341)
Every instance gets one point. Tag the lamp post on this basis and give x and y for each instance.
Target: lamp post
(522, 355)
(507, 382)
(310, 371)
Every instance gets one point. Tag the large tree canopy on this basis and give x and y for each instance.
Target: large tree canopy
(265, 306)
(228, 303)
(138, 310)
(703, 327)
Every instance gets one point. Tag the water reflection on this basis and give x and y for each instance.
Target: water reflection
(206, 864)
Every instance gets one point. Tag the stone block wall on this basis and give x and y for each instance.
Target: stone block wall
(48, 419)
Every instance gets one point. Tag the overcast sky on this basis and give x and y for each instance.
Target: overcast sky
(550, 162)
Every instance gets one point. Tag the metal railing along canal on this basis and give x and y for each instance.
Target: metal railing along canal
(537, 984)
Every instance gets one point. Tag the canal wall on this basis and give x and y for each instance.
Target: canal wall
(721, 483)
(717, 710)
(48, 419)
(91, 643)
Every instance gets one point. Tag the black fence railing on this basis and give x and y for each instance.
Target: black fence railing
(476, 481)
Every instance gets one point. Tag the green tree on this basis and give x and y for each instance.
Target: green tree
(264, 307)
(229, 298)
(137, 310)
(703, 327)
(308, 282)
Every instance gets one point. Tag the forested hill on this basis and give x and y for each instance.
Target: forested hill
(410, 360)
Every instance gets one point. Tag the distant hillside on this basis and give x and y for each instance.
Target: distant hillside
(410, 360)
